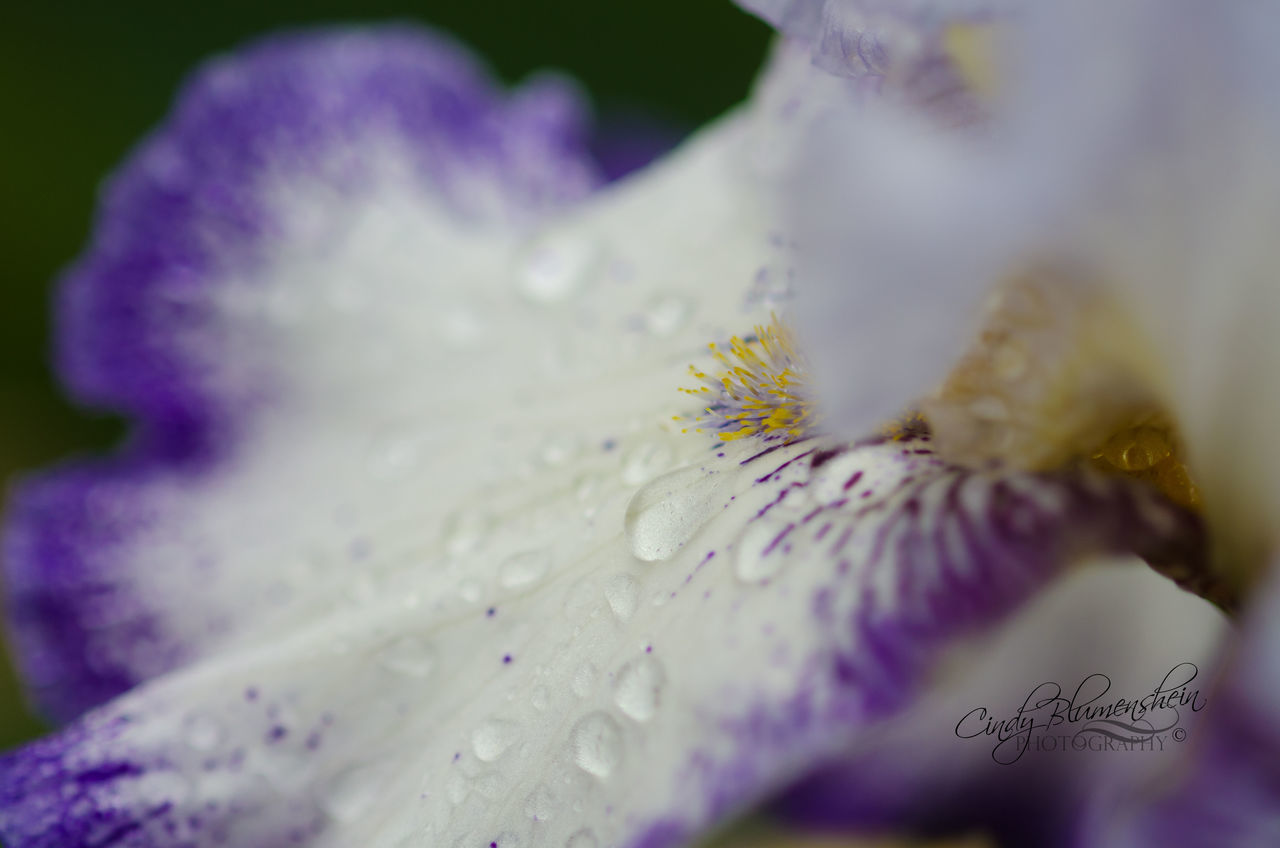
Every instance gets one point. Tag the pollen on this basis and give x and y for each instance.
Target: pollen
(759, 388)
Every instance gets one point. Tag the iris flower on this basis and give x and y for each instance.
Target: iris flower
(417, 543)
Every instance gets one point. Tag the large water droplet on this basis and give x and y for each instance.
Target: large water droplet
(351, 793)
(645, 461)
(411, 656)
(759, 552)
(622, 591)
(638, 688)
(555, 265)
(492, 739)
(666, 514)
(597, 744)
(524, 568)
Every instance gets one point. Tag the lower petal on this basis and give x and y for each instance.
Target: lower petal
(587, 693)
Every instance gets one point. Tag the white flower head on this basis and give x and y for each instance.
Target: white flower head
(410, 547)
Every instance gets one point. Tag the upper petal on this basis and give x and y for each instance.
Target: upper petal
(227, 285)
(206, 201)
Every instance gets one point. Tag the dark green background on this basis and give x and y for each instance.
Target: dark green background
(81, 82)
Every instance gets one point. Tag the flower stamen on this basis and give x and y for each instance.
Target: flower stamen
(760, 389)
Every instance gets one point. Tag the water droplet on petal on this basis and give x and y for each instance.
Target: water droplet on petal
(393, 455)
(638, 688)
(470, 590)
(466, 531)
(555, 265)
(667, 314)
(492, 739)
(759, 552)
(559, 449)
(597, 744)
(540, 698)
(202, 732)
(623, 594)
(524, 568)
(411, 656)
(351, 793)
(645, 461)
(667, 513)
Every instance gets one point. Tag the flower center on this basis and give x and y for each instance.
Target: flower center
(759, 390)
(1149, 450)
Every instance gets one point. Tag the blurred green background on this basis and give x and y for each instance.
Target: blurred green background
(82, 82)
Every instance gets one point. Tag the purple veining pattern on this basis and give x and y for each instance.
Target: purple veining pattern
(188, 209)
(921, 556)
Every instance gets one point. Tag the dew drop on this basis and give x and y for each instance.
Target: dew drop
(758, 555)
(645, 461)
(597, 744)
(411, 656)
(457, 788)
(583, 839)
(202, 732)
(393, 455)
(667, 313)
(351, 793)
(622, 591)
(638, 688)
(540, 698)
(554, 266)
(470, 590)
(558, 449)
(492, 739)
(466, 531)
(666, 514)
(524, 568)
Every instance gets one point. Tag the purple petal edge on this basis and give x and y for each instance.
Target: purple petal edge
(185, 208)
(182, 212)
